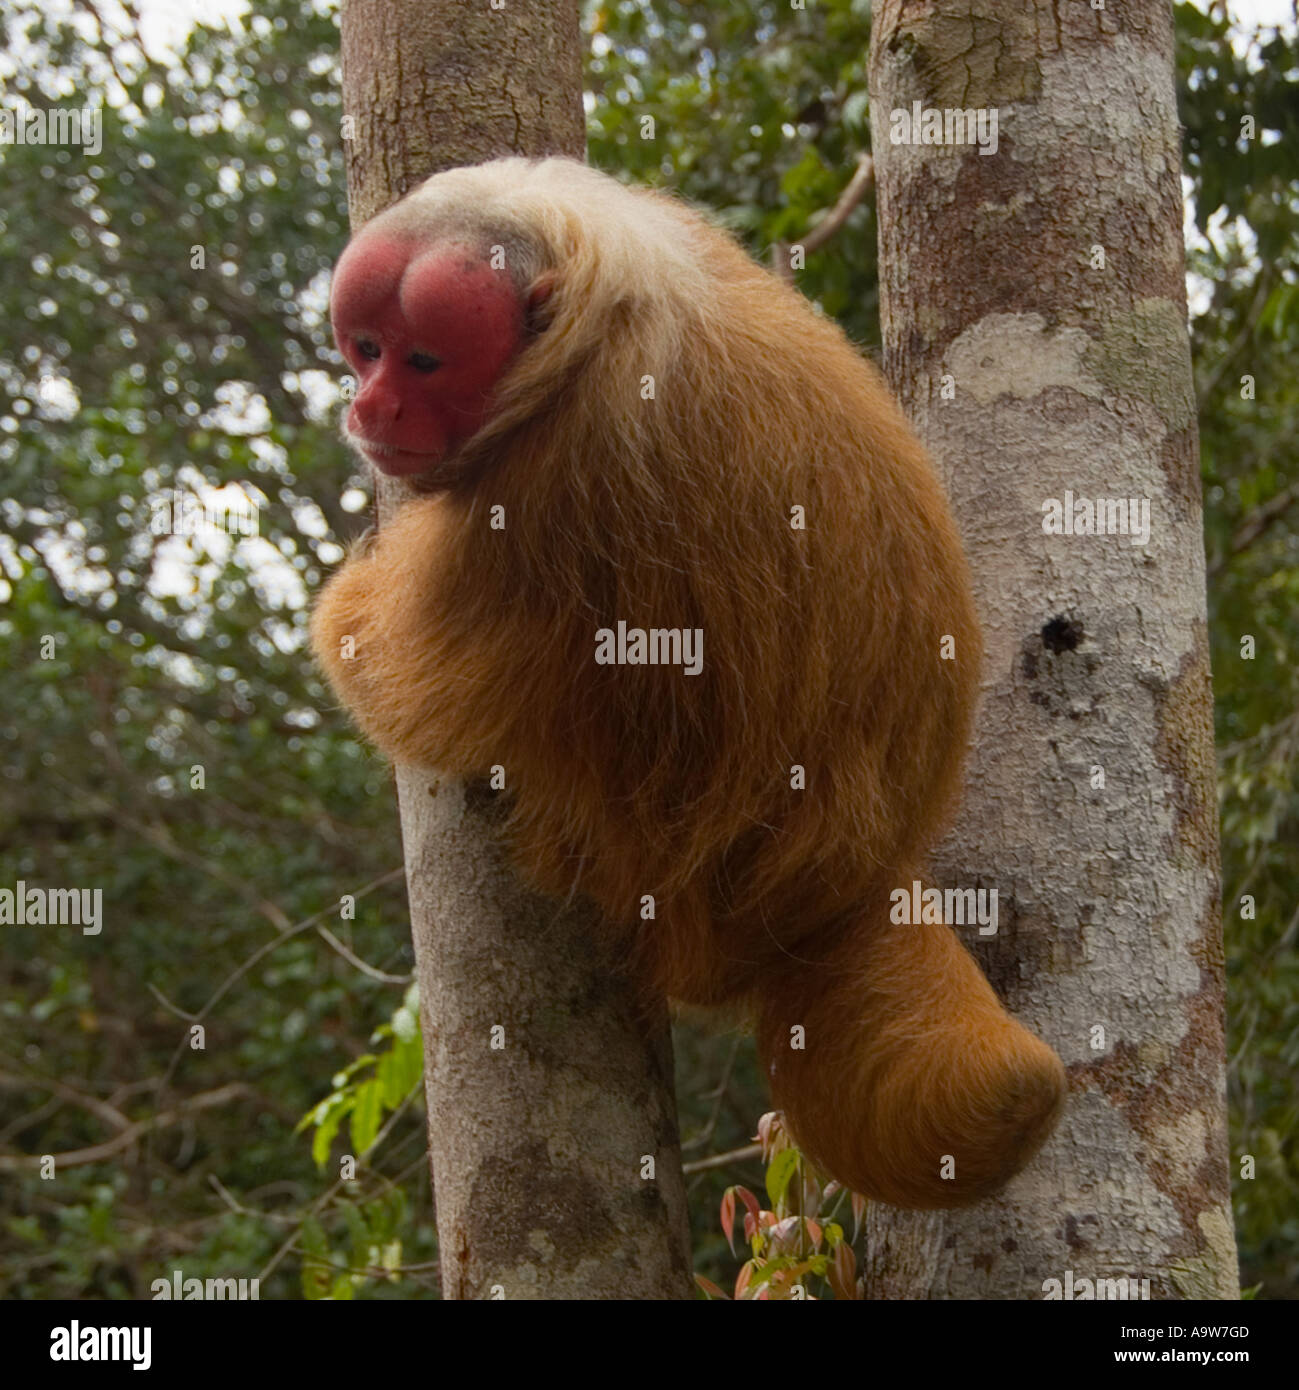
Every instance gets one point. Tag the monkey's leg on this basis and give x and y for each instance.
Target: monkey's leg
(912, 1084)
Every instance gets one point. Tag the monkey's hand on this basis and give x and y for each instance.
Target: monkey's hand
(380, 635)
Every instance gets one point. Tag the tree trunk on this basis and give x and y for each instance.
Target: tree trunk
(1045, 284)
(551, 1112)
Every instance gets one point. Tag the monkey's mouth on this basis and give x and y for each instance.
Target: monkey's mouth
(394, 462)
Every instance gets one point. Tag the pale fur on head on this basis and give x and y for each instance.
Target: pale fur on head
(539, 208)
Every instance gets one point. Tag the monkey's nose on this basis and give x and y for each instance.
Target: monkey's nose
(376, 410)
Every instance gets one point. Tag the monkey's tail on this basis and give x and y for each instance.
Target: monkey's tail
(899, 1071)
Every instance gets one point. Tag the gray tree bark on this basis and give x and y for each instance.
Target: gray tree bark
(551, 1112)
(1044, 286)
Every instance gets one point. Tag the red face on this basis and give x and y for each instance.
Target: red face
(428, 329)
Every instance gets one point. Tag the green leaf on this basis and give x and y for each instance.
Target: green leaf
(780, 1171)
(367, 1115)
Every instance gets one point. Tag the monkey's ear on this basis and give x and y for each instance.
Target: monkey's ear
(542, 288)
(538, 311)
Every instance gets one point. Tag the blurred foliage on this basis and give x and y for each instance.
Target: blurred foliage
(759, 111)
(164, 738)
(1246, 344)
(177, 748)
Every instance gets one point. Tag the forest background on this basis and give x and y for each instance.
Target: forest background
(128, 372)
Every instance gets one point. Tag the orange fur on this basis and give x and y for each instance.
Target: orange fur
(475, 647)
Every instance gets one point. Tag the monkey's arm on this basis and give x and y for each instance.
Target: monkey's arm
(412, 675)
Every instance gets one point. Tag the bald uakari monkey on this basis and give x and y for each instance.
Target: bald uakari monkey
(633, 443)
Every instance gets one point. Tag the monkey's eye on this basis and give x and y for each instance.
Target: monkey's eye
(422, 362)
(368, 349)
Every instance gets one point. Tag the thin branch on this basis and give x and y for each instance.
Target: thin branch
(160, 837)
(96, 1153)
(717, 1096)
(829, 225)
(354, 960)
(1258, 521)
(1214, 376)
(702, 1165)
(241, 970)
(110, 1115)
